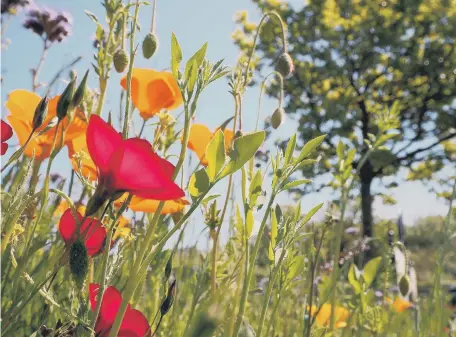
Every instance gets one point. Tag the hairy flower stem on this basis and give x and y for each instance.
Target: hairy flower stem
(225, 206)
(345, 195)
(250, 266)
(267, 298)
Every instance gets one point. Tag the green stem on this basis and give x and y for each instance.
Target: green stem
(250, 265)
(339, 232)
(267, 298)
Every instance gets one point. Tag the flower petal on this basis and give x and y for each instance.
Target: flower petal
(138, 204)
(134, 324)
(102, 142)
(144, 173)
(6, 131)
(94, 235)
(4, 148)
(93, 293)
(67, 226)
(22, 104)
(78, 146)
(109, 306)
(199, 139)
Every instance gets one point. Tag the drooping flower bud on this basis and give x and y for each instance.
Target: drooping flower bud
(404, 285)
(64, 103)
(80, 91)
(40, 113)
(79, 262)
(149, 45)
(120, 60)
(284, 65)
(169, 300)
(169, 267)
(277, 117)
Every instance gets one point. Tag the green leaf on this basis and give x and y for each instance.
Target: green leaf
(304, 163)
(295, 183)
(340, 150)
(192, 66)
(274, 228)
(384, 138)
(209, 198)
(255, 188)
(176, 55)
(296, 267)
(244, 148)
(310, 214)
(370, 270)
(92, 16)
(199, 183)
(350, 157)
(290, 149)
(310, 146)
(215, 154)
(354, 278)
(239, 224)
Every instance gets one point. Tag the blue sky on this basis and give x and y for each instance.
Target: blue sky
(194, 22)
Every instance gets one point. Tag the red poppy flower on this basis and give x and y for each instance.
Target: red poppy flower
(92, 232)
(129, 165)
(6, 133)
(134, 324)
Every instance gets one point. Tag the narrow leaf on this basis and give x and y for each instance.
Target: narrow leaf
(215, 154)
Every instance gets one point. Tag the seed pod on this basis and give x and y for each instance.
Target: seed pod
(120, 60)
(40, 113)
(169, 300)
(79, 262)
(149, 45)
(277, 117)
(80, 91)
(284, 65)
(64, 103)
(404, 285)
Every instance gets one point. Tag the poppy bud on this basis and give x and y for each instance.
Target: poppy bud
(169, 267)
(120, 60)
(169, 300)
(149, 45)
(40, 113)
(80, 91)
(79, 262)
(277, 117)
(64, 103)
(404, 285)
(238, 134)
(73, 74)
(284, 65)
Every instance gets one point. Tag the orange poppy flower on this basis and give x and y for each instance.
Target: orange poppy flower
(324, 315)
(79, 155)
(400, 304)
(199, 139)
(138, 204)
(22, 105)
(152, 91)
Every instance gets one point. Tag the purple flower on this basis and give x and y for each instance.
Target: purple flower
(12, 6)
(51, 25)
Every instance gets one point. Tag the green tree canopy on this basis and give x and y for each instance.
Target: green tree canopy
(354, 58)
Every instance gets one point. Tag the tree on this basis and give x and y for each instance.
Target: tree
(354, 58)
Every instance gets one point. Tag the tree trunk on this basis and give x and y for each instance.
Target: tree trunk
(366, 177)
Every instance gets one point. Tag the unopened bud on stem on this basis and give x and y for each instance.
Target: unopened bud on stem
(120, 60)
(277, 117)
(64, 103)
(285, 65)
(80, 91)
(40, 113)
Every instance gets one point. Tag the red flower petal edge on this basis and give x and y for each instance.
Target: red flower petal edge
(134, 323)
(92, 231)
(6, 133)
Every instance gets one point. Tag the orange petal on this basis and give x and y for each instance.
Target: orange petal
(199, 138)
(400, 304)
(22, 104)
(88, 168)
(138, 204)
(324, 314)
(152, 91)
(41, 145)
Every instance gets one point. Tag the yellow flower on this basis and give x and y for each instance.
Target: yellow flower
(199, 139)
(400, 304)
(152, 91)
(63, 206)
(22, 104)
(80, 158)
(324, 315)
